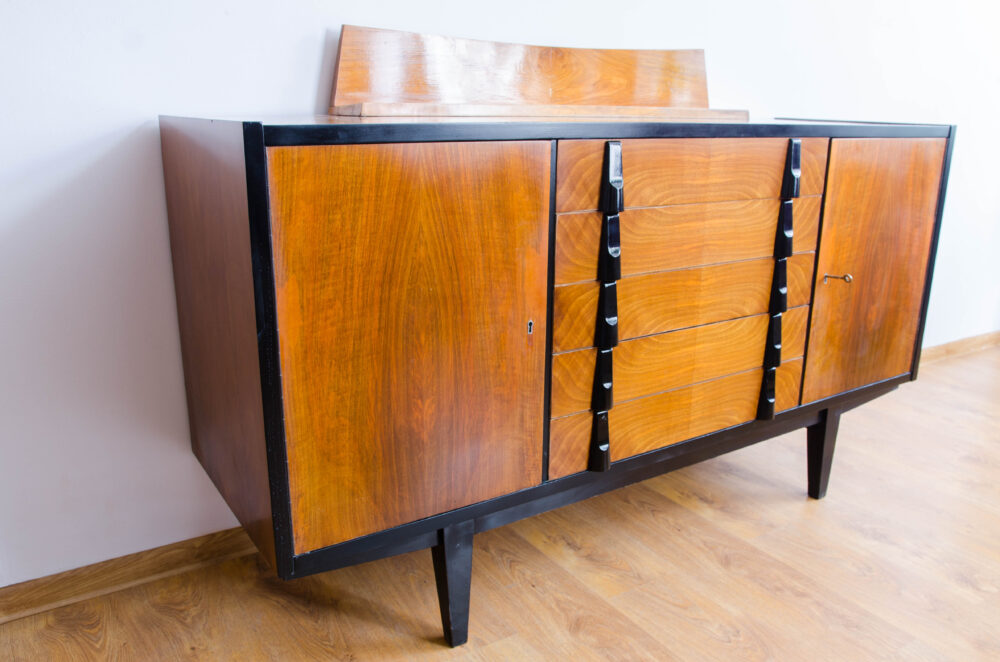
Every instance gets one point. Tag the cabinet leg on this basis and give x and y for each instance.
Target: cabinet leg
(822, 437)
(453, 572)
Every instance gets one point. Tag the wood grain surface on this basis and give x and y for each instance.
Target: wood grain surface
(206, 188)
(878, 224)
(788, 384)
(645, 424)
(534, 111)
(724, 560)
(665, 361)
(388, 66)
(674, 237)
(79, 584)
(672, 171)
(406, 275)
(654, 303)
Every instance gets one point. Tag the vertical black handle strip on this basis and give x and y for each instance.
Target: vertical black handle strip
(765, 405)
(602, 399)
(785, 234)
(609, 271)
(612, 199)
(793, 170)
(783, 246)
(609, 261)
(600, 443)
(779, 288)
(606, 332)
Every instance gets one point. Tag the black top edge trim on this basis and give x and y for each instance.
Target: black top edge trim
(342, 134)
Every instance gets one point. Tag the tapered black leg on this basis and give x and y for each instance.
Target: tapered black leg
(822, 437)
(453, 572)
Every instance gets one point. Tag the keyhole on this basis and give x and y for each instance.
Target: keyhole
(531, 327)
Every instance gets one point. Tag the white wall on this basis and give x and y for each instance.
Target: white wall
(94, 457)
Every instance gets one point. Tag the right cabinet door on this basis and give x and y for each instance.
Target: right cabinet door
(877, 228)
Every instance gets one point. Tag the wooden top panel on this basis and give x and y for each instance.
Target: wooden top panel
(673, 171)
(878, 226)
(658, 302)
(406, 275)
(388, 66)
(675, 237)
(526, 112)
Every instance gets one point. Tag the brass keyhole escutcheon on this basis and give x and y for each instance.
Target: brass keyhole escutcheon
(847, 278)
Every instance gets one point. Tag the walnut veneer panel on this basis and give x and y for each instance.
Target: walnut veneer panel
(406, 275)
(669, 360)
(206, 188)
(662, 238)
(878, 225)
(388, 66)
(671, 171)
(654, 303)
(645, 424)
(788, 384)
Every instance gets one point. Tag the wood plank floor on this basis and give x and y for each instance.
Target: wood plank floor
(726, 560)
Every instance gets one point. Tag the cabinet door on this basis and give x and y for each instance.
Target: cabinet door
(406, 278)
(878, 223)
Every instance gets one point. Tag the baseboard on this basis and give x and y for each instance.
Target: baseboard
(45, 593)
(959, 347)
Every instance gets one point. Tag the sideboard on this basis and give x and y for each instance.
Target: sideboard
(398, 333)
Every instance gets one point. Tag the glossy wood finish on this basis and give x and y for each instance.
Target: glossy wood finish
(788, 384)
(645, 424)
(388, 66)
(661, 362)
(205, 177)
(674, 237)
(668, 300)
(529, 112)
(878, 225)
(672, 171)
(723, 560)
(406, 275)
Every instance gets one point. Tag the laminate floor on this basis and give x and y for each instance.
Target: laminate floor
(725, 560)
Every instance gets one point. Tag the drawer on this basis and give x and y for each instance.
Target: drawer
(668, 300)
(674, 237)
(671, 171)
(645, 424)
(665, 361)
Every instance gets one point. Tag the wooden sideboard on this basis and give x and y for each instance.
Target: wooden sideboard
(399, 332)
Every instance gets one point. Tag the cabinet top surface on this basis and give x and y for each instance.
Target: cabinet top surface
(328, 129)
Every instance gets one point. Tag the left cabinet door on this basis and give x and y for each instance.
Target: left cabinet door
(410, 285)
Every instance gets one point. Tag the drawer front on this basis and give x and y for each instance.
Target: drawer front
(671, 171)
(665, 361)
(654, 303)
(675, 237)
(646, 424)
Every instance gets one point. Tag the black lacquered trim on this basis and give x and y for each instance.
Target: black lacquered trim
(570, 489)
(267, 346)
(784, 236)
(549, 299)
(277, 135)
(942, 192)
